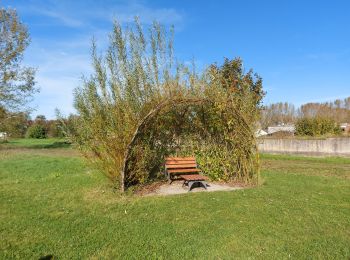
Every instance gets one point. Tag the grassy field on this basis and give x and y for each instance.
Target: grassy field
(35, 143)
(54, 204)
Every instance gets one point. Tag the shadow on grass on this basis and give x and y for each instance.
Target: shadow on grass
(48, 145)
(62, 144)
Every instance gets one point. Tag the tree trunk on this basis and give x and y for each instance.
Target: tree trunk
(122, 184)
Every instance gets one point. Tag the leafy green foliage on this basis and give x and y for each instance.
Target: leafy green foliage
(317, 126)
(54, 129)
(14, 123)
(216, 161)
(36, 131)
(16, 81)
(66, 126)
(128, 82)
(139, 107)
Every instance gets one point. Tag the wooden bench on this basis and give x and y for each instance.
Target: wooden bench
(192, 179)
(176, 166)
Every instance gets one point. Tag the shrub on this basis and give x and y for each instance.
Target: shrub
(140, 106)
(317, 126)
(54, 129)
(36, 131)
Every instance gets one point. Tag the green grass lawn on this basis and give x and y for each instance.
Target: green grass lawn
(35, 143)
(52, 203)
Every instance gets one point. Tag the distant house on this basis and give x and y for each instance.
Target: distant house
(260, 132)
(345, 127)
(3, 135)
(281, 128)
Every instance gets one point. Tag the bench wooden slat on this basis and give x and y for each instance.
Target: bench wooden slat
(180, 159)
(181, 163)
(175, 166)
(179, 166)
(184, 170)
(194, 177)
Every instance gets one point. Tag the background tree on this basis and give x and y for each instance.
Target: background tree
(338, 110)
(285, 113)
(54, 129)
(16, 81)
(278, 113)
(14, 123)
(66, 126)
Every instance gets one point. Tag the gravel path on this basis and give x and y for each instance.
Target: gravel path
(177, 188)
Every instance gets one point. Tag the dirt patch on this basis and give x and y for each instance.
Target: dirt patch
(176, 187)
(149, 188)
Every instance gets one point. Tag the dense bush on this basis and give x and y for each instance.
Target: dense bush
(140, 105)
(317, 126)
(54, 129)
(36, 131)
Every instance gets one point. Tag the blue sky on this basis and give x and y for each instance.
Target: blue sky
(300, 48)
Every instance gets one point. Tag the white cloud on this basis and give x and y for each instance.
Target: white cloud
(62, 17)
(55, 93)
(146, 14)
(85, 14)
(62, 60)
(60, 70)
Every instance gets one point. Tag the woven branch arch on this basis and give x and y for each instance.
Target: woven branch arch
(167, 103)
(138, 105)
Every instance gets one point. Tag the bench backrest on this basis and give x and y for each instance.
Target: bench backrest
(180, 163)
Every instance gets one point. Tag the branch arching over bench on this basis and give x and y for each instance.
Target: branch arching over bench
(152, 114)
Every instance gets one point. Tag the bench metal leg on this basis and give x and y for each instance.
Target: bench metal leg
(190, 183)
(169, 178)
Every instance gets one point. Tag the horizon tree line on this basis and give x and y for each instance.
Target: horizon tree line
(286, 113)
